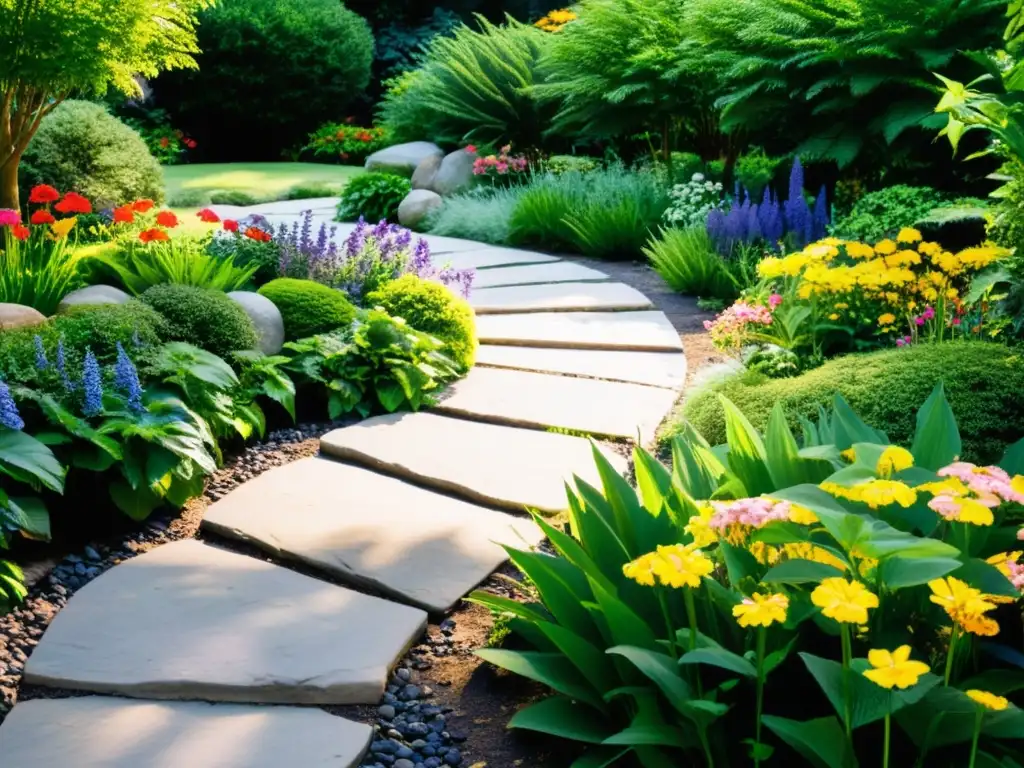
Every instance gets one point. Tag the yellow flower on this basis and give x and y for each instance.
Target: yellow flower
(982, 256)
(886, 319)
(842, 305)
(61, 227)
(675, 566)
(894, 670)
(833, 316)
(702, 533)
(859, 251)
(845, 601)
(761, 610)
(948, 485)
(850, 455)
(974, 512)
(874, 493)
(929, 249)
(908, 235)
(988, 700)
(894, 459)
(980, 625)
(885, 247)
(801, 515)
(964, 605)
(806, 551)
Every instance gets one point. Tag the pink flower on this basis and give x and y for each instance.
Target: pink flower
(956, 322)
(755, 513)
(990, 484)
(506, 149)
(905, 341)
(471, 148)
(1020, 534)
(502, 167)
(919, 319)
(928, 314)
(9, 218)
(774, 300)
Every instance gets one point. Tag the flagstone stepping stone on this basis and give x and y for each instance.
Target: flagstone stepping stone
(563, 297)
(486, 258)
(191, 621)
(542, 400)
(656, 369)
(107, 732)
(496, 465)
(530, 274)
(638, 331)
(440, 244)
(421, 547)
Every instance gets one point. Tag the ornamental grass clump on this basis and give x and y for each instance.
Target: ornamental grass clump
(778, 598)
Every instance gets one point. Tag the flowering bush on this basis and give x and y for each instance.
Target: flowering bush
(344, 142)
(167, 144)
(503, 167)
(555, 20)
(844, 573)
(693, 201)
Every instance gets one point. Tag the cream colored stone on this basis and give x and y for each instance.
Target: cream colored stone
(192, 621)
(417, 546)
(561, 297)
(105, 732)
(530, 274)
(501, 466)
(542, 400)
(656, 369)
(485, 257)
(638, 331)
(19, 316)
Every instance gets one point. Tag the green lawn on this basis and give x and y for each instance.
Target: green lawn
(193, 185)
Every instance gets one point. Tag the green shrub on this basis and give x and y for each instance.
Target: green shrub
(689, 263)
(983, 383)
(430, 307)
(189, 198)
(308, 308)
(882, 214)
(80, 147)
(559, 164)
(270, 72)
(233, 197)
(208, 319)
(539, 216)
(309, 191)
(484, 216)
(755, 171)
(374, 196)
(182, 261)
(245, 252)
(474, 86)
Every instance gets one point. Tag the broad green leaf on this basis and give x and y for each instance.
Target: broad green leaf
(551, 669)
(1013, 459)
(800, 572)
(593, 664)
(594, 530)
(746, 451)
(28, 515)
(27, 455)
(694, 467)
(654, 482)
(719, 657)
(559, 716)
(822, 742)
(848, 428)
(600, 757)
(986, 577)
(137, 503)
(624, 625)
(787, 465)
(654, 734)
(573, 551)
(660, 669)
(557, 595)
(739, 563)
(703, 712)
(936, 439)
(957, 714)
(897, 572)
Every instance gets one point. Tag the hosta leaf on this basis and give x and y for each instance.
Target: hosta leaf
(559, 716)
(719, 657)
(936, 439)
(25, 453)
(28, 515)
(821, 742)
(746, 451)
(557, 595)
(660, 669)
(551, 669)
(800, 572)
(898, 572)
(137, 503)
(600, 757)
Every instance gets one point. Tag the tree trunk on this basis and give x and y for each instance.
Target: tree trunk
(9, 183)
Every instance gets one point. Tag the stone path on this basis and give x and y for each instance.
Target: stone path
(399, 515)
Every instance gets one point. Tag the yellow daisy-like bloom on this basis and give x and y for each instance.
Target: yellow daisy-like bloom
(874, 493)
(859, 251)
(909, 235)
(845, 601)
(703, 534)
(885, 247)
(887, 318)
(948, 485)
(764, 554)
(975, 513)
(767, 555)
(674, 566)
(62, 227)
(982, 256)
(894, 670)
(1002, 563)
(833, 241)
(849, 454)
(988, 700)
(761, 610)
(958, 600)
(929, 249)
(979, 625)
(801, 515)
(833, 316)
(894, 459)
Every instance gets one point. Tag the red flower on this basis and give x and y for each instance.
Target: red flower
(166, 219)
(230, 225)
(149, 235)
(190, 143)
(124, 214)
(471, 148)
(42, 217)
(20, 232)
(254, 233)
(43, 193)
(73, 203)
(165, 142)
(207, 215)
(142, 206)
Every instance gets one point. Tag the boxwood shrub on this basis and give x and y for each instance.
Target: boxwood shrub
(430, 307)
(206, 318)
(983, 383)
(307, 307)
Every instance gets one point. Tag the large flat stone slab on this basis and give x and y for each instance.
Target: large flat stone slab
(637, 331)
(656, 369)
(484, 256)
(490, 464)
(106, 732)
(441, 244)
(543, 400)
(559, 297)
(192, 621)
(532, 274)
(415, 545)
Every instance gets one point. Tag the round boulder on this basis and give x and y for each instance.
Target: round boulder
(416, 206)
(403, 159)
(455, 173)
(265, 316)
(423, 176)
(93, 294)
(19, 316)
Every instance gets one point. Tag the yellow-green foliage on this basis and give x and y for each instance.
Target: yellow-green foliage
(433, 309)
(307, 307)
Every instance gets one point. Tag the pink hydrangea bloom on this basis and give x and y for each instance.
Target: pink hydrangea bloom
(754, 513)
(990, 484)
(774, 300)
(9, 218)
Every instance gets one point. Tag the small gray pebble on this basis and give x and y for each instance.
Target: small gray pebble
(386, 711)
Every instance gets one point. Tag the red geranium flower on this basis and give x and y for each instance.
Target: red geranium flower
(230, 225)
(43, 193)
(165, 142)
(124, 214)
(73, 203)
(42, 217)
(471, 148)
(257, 234)
(149, 235)
(20, 231)
(208, 216)
(190, 143)
(143, 206)
(167, 219)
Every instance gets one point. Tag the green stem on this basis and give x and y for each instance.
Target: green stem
(668, 622)
(953, 636)
(888, 733)
(844, 630)
(691, 615)
(976, 736)
(703, 735)
(762, 634)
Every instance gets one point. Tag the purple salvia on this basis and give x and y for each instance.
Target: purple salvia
(819, 220)
(41, 362)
